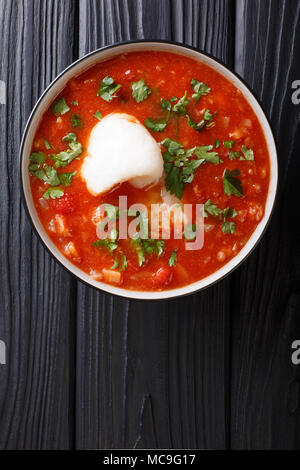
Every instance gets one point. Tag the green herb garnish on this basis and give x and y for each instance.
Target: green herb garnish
(66, 178)
(98, 115)
(231, 184)
(228, 144)
(140, 91)
(67, 156)
(60, 107)
(180, 106)
(173, 258)
(248, 153)
(210, 208)
(76, 120)
(199, 88)
(108, 88)
(53, 193)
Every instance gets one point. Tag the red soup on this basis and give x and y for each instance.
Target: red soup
(158, 128)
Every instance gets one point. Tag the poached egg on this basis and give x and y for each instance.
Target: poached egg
(121, 149)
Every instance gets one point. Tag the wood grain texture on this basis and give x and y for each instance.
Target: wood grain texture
(36, 295)
(154, 374)
(88, 370)
(264, 413)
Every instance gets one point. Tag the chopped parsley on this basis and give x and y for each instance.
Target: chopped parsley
(140, 91)
(66, 178)
(60, 107)
(180, 106)
(108, 88)
(70, 137)
(98, 115)
(233, 155)
(228, 144)
(248, 153)
(173, 258)
(123, 263)
(158, 125)
(67, 156)
(48, 146)
(206, 121)
(217, 143)
(53, 193)
(76, 120)
(38, 157)
(106, 243)
(190, 232)
(155, 126)
(199, 88)
(75, 103)
(148, 247)
(210, 208)
(204, 152)
(231, 184)
(180, 167)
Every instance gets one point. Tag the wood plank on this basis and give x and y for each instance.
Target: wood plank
(265, 400)
(36, 295)
(154, 374)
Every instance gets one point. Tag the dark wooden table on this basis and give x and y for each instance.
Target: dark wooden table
(88, 370)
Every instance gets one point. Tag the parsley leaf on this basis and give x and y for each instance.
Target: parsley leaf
(180, 106)
(204, 152)
(115, 265)
(98, 115)
(46, 173)
(70, 137)
(108, 88)
(165, 104)
(228, 144)
(190, 232)
(38, 157)
(233, 155)
(158, 125)
(155, 126)
(51, 176)
(217, 143)
(106, 243)
(174, 147)
(206, 121)
(173, 258)
(140, 91)
(199, 88)
(180, 168)
(228, 227)
(231, 184)
(47, 145)
(212, 209)
(248, 153)
(66, 156)
(66, 178)
(54, 193)
(74, 103)
(76, 120)
(148, 247)
(123, 263)
(60, 107)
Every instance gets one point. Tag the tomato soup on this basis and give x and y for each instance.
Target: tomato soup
(158, 128)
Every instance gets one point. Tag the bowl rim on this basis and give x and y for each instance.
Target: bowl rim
(164, 294)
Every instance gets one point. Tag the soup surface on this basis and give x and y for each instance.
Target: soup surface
(209, 150)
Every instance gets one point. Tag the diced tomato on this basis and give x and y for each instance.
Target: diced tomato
(162, 277)
(63, 205)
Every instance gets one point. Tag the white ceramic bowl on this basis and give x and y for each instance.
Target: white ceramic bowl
(77, 68)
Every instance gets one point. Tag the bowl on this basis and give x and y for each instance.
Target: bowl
(107, 53)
